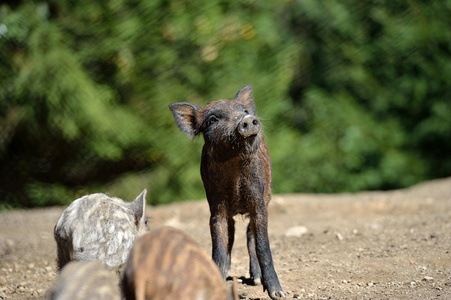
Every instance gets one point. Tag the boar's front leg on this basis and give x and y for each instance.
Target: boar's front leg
(222, 230)
(259, 225)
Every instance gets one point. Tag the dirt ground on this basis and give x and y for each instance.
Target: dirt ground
(372, 245)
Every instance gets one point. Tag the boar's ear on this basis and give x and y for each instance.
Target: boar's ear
(138, 206)
(185, 117)
(245, 97)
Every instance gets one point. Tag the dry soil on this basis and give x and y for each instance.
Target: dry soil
(371, 245)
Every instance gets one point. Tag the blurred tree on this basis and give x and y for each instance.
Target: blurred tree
(353, 95)
(372, 93)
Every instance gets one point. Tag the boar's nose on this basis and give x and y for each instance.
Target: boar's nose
(249, 125)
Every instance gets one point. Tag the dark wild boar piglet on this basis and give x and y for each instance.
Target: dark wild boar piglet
(236, 172)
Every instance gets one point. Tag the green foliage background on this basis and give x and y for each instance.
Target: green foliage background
(354, 95)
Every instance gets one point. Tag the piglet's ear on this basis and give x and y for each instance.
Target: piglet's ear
(138, 207)
(185, 117)
(245, 97)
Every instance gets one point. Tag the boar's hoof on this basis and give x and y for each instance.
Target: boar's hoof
(277, 295)
(257, 281)
(249, 125)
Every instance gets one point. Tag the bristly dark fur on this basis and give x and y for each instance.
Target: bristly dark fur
(236, 171)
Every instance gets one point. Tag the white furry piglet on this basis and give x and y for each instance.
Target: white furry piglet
(99, 227)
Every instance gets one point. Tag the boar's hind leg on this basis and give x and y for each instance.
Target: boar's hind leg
(222, 246)
(254, 267)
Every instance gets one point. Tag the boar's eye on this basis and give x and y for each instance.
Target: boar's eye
(212, 120)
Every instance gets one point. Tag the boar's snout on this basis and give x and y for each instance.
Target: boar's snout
(249, 126)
